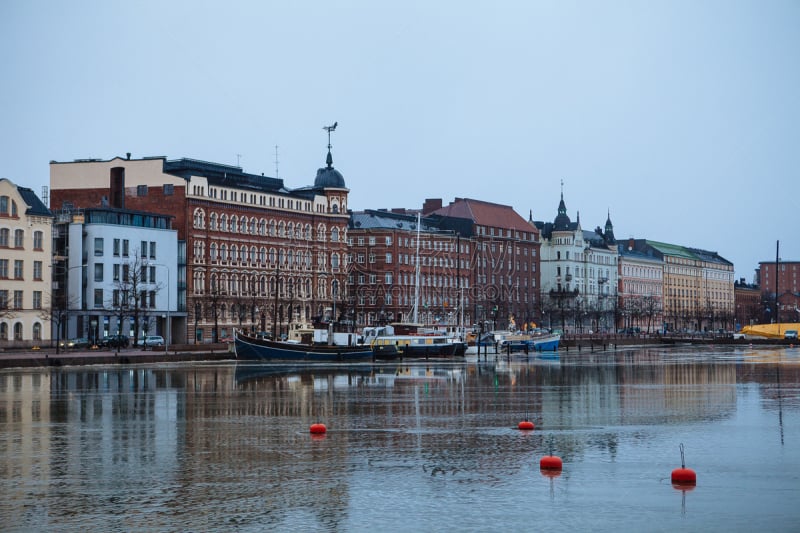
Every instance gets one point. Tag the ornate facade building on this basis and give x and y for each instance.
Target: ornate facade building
(25, 253)
(252, 253)
(579, 274)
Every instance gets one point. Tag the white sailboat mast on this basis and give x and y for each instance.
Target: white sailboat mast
(416, 277)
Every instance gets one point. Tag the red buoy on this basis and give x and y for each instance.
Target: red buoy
(683, 475)
(318, 429)
(526, 425)
(550, 462)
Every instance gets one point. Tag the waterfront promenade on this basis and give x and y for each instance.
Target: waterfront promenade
(26, 358)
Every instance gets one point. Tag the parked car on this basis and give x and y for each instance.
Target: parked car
(151, 340)
(790, 334)
(80, 342)
(116, 341)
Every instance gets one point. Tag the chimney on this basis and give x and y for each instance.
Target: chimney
(630, 244)
(129, 155)
(431, 205)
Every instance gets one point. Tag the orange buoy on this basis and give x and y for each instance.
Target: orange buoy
(550, 462)
(526, 425)
(683, 475)
(318, 429)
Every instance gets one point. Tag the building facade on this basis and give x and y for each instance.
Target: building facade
(781, 278)
(503, 265)
(641, 289)
(579, 274)
(251, 253)
(25, 254)
(750, 308)
(698, 287)
(116, 270)
(383, 283)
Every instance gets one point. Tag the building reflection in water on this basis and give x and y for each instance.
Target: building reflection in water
(196, 443)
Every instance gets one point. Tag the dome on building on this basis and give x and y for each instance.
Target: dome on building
(329, 176)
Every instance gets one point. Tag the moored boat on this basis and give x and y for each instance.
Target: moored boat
(257, 349)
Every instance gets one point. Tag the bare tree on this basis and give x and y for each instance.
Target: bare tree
(57, 313)
(131, 291)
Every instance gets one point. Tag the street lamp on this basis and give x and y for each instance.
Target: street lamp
(169, 325)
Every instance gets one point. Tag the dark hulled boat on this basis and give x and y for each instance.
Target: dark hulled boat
(257, 349)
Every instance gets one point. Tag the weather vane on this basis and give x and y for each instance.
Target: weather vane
(329, 129)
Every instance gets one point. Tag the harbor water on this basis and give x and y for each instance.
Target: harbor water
(423, 446)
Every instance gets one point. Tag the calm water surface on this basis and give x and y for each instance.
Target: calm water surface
(410, 447)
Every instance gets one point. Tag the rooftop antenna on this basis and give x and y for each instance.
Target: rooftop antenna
(238, 159)
(276, 161)
(46, 196)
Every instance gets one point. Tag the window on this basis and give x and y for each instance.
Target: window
(388, 258)
(37, 332)
(125, 246)
(4, 205)
(18, 266)
(116, 272)
(143, 274)
(18, 331)
(126, 273)
(19, 238)
(98, 246)
(372, 241)
(152, 298)
(143, 249)
(388, 278)
(37, 270)
(98, 271)
(116, 247)
(169, 189)
(3, 331)
(4, 237)
(152, 274)
(4, 299)
(4, 268)
(388, 240)
(37, 299)
(141, 190)
(98, 297)
(38, 239)
(17, 299)
(152, 250)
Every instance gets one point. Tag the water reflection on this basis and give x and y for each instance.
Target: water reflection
(227, 446)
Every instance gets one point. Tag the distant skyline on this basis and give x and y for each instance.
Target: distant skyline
(680, 118)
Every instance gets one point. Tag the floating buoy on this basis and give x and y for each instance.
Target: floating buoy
(683, 475)
(551, 462)
(318, 429)
(525, 425)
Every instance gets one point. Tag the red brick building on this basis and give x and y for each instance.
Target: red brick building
(786, 284)
(252, 253)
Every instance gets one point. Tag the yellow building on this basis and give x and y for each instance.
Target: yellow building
(25, 254)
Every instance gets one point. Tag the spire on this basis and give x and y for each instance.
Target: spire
(329, 129)
(562, 221)
(609, 233)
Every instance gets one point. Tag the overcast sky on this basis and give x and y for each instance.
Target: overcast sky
(681, 118)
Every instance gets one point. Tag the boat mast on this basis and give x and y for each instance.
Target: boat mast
(416, 278)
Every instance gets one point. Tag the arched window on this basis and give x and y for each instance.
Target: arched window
(234, 223)
(199, 218)
(271, 228)
(38, 240)
(243, 225)
(321, 232)
(262, 255)
(290, 230)
(252, 254)
(253, 226)
(262, 227)
(223, 223)
(223, 252)
(289, 258)
(334, 260)
(272, 255)
(4, 205)
(243, 254)
(4, 234)
(281, 229)
(335, 235)
(18, 331)
(213, 221)
(37, 331)
(213, 251)
(308, 232)
(3, 327)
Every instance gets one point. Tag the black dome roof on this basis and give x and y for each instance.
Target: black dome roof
(329, 176)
